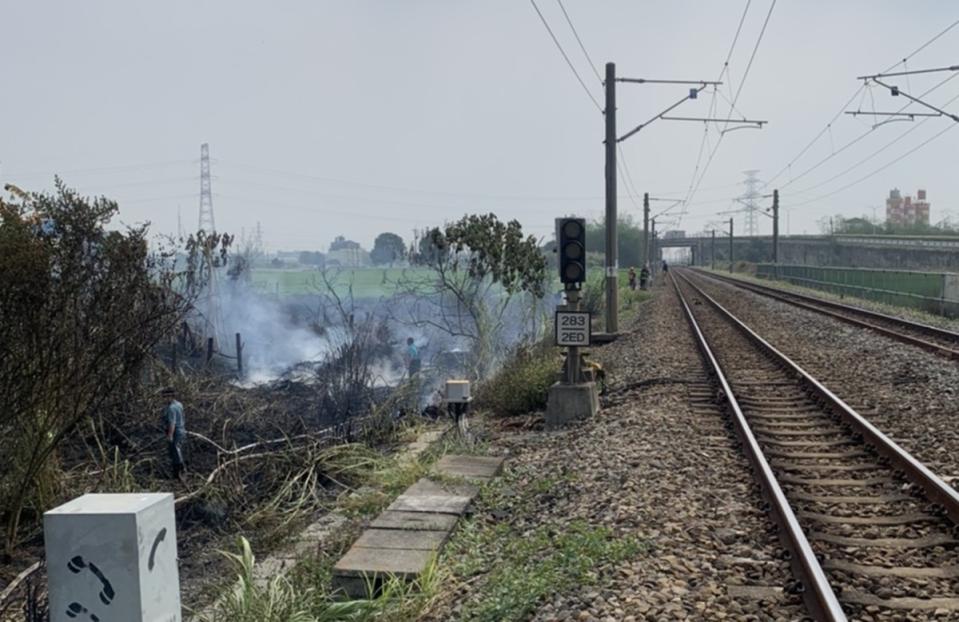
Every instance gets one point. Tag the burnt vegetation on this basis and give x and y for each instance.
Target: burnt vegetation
(88, 318)
(96, 320)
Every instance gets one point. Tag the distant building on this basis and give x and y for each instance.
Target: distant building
(904, 212)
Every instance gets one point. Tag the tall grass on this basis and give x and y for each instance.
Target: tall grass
(303, 596)
(279, 600)
(521, 385)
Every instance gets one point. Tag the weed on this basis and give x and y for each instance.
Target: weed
(363, 502)
(457, 444)
(535, 565)
(522, 384)
(513, 566)
(280, 600)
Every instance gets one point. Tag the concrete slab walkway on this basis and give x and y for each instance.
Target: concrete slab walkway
(403, 540)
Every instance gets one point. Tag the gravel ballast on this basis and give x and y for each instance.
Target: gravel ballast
(657, 465)
(908, 393)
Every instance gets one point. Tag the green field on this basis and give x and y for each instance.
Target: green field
(367, 282)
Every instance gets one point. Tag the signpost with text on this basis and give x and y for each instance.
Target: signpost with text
(574, 397)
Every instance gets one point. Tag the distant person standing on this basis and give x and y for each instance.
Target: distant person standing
(175, 425)
(632, 279)
(412, 357)
(665, 267)
(644, 277)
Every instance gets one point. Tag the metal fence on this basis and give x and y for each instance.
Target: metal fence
(935, 292)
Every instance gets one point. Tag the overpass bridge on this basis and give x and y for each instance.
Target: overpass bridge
(872, 251)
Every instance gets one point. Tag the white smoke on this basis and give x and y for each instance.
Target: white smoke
(273, 341)
(281, 336)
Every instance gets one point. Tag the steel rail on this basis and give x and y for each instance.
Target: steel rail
(817, 594)
(813, 303)
(936, 489)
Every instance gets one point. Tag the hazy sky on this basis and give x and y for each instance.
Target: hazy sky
(357, 117)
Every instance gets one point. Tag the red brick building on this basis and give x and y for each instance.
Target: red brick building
(903, 211)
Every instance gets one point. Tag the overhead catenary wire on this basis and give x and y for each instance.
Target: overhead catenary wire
(732, 46)
(622, 165)
(872, 155)
(816, 138)
(712, 102)
(742, 83)
(629, 176)
(836, 152)
(853, 167)
(565, 56)
(850, 100)
(629, 194)
(582, 47)
(875, 172)
(752, 57)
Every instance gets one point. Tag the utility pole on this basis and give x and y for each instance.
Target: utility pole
(652, 241)
(645, 228)
(776, 231)
(712, 252)
(730, 244)
(611, 142)
(612, 272)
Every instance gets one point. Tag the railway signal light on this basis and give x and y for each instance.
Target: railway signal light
(571, 245)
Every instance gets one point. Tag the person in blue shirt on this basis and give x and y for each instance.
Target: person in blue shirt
(175, 426)
(412, 357)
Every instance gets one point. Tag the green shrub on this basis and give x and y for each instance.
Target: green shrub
(629, 301)
(522, 384)
(594, 294)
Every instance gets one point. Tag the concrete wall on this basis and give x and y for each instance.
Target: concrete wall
(909, 253)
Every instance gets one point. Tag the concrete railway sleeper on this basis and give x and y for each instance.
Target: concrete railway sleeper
(870, 532)
(938, 340)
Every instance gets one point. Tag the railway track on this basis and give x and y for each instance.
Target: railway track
(870, 532)
(938, 340)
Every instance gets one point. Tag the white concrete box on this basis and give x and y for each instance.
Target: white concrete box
(457, 391)
(112, 558)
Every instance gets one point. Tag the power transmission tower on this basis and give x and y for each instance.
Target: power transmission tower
(748, 199)
(206, 194)
(211, 313)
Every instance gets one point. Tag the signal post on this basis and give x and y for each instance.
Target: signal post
(574, 396)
